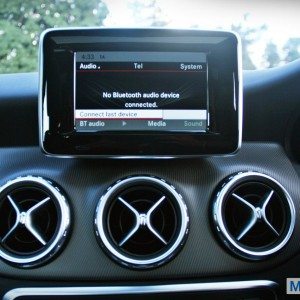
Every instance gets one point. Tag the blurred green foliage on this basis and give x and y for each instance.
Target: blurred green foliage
(271, 55)
(249, 35)
(147, 13)
(292, 49)
(21, 23)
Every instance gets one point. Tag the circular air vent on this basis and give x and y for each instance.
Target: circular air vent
(141, 221)
(34, 220)
(254, 215)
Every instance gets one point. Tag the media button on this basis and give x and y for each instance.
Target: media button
(156, 124)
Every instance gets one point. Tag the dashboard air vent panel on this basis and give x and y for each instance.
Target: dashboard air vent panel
(254, 215)
(141, 221)
(34, 220)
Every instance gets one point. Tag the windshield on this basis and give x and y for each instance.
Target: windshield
(269, 30)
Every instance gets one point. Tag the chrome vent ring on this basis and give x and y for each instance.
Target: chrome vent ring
(253, 215)
(141, 222)
(34, 221)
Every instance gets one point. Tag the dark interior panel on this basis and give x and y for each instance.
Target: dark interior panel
(85, 181)
(270, 146)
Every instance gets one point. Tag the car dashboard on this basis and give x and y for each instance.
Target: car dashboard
(216, 247)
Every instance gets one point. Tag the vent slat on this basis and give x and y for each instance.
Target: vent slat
(139, 221)
(255, 215)
(34, 220)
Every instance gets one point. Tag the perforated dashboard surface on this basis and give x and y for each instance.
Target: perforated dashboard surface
(84, 181)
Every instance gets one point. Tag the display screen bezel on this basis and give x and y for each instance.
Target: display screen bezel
(56, 95)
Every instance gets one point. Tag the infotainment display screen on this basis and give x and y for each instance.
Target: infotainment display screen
(140, 91)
